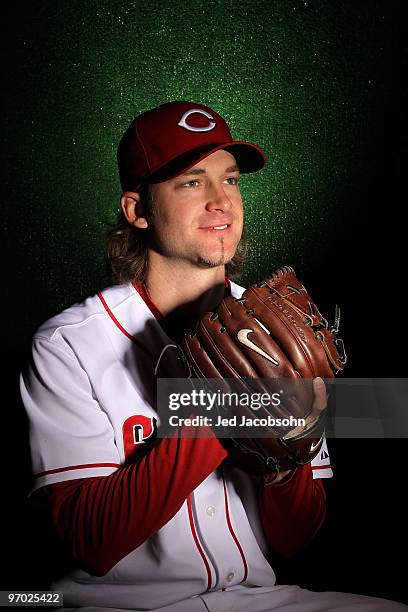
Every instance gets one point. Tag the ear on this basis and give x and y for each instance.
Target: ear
(132, 207)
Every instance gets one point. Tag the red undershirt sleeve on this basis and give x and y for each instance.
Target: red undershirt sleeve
(103, 519)
(293, 511)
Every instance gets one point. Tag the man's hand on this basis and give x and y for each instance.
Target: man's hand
(319, 404)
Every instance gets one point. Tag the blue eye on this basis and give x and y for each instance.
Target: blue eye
(234, 180)
(191, 183)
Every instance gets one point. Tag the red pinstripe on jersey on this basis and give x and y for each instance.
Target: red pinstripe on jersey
(143, 292)
(112, 316)
(68, 468)
(197, 542)
(241, 552)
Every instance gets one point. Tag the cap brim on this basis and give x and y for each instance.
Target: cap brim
(249, 158)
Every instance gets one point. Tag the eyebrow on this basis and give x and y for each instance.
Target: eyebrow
(202, 170)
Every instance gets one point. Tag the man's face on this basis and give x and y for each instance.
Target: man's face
(198, 216)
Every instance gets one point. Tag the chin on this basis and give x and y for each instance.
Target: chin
(214, 261)
(218, 256)
(210, 263)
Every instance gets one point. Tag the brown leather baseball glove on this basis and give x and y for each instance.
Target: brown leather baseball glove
(271, 339)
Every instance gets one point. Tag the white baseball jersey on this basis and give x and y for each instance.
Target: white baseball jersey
(89, 395)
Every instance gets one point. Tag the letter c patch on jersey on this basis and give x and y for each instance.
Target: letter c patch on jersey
(136, 430)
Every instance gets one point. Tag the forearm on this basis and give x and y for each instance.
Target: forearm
(293, 510)
(104, 519)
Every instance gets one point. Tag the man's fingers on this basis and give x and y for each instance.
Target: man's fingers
(319, 404)
(320, 396)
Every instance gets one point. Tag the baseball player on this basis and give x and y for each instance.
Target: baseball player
(163, 524)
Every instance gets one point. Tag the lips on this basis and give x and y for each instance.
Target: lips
(218, 226)
(218, 230)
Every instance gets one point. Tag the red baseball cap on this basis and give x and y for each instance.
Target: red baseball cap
(165, 141)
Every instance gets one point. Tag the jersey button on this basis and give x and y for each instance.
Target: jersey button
(230, 577)
(210, 511)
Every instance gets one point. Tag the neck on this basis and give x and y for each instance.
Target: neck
(182, 292)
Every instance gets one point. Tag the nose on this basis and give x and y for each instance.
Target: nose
(217, 199)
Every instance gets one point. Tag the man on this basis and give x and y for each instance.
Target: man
(163, 524)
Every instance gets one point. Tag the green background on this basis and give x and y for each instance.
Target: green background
(301, 78)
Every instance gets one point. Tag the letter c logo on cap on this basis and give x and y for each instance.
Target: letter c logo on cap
(183, 121)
